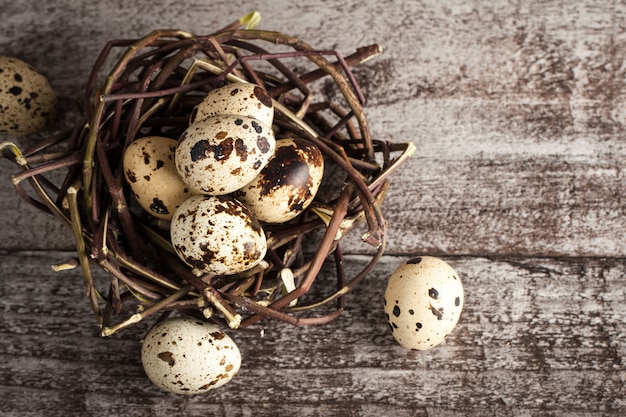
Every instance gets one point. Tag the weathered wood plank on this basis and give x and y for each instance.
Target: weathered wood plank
(514, 127)
(517, 113)
(538, 336)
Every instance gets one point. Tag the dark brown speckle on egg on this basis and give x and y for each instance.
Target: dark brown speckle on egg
(218, 335)
(167, 357)
(130, 175)
(222, 150)
(200, 150)
(241, 149)
(286, 168)
(263, 144)
(263, 96)
(438, 312)
(15, 90)
(257, 127)
(158, 206)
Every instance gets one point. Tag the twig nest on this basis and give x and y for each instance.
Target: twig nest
(226, 97)
(27, 101)
(217, 235)
(184, 355)
(221, 154)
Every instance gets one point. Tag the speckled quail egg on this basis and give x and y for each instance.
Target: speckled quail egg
(217, 235)
(423, 302)
(185, 355)
(287, 184)
(150, 171)
(242, 99)
(27, 101)
(223, 153)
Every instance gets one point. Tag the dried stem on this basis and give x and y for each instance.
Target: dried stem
(152, 89)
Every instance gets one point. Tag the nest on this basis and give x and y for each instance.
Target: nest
(150, 88)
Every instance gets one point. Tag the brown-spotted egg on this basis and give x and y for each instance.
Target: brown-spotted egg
(27, 101)
(185, 355)
(243, 99)
(150, 171)
(221, 154)
(288, 183)
(217, 235)
(423, 302)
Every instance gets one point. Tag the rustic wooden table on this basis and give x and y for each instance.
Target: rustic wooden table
(517, 111)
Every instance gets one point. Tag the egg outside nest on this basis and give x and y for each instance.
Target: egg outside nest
(423, 302)
(188, 356)
(27, 101)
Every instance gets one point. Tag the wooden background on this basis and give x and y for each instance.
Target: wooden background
(518, 112)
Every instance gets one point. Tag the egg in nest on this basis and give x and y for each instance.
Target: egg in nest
(244, 99)
(217, 235)
(150, 171)
(287, 185)
(221, 154)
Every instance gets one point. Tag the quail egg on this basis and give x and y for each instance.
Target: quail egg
(423, 302)
(287, 184)
(185, 355)
(217, 235)
(243, 99)
(221, 154)
(150, 171)
(27, 101)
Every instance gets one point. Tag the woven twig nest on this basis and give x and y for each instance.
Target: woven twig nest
(150, 88)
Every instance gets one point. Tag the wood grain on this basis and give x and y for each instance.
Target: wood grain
(518, 113)
(537, 336)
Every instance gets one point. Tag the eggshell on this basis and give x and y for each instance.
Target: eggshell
(288, 183)
(217, 235)
(423, 302)
(185, 355)
(221, 154)
(150, 171)
(242, 99)
(27, 101)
